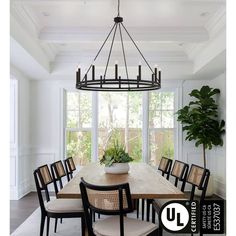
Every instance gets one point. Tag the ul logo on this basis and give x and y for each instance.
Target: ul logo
(174, 216)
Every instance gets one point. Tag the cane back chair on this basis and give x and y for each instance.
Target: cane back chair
(114, 201)
(55, 208)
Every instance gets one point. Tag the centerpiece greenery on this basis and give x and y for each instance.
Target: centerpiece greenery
(200, 120)
(115, 154)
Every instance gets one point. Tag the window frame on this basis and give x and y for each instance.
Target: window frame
(150, 129)
(145, 123)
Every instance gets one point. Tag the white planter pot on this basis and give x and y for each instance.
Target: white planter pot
(117, 168)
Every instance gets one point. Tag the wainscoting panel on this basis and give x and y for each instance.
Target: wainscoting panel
(41, 157)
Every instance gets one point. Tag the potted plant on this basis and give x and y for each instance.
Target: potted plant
(200, 120)
(116, 159)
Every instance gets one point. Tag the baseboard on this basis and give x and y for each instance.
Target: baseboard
(24, 189)
(219, 188)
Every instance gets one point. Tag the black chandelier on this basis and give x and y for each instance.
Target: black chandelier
(102, 83)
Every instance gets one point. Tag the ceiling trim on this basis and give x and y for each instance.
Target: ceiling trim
(36, 2)
(153, 56)
(217, 22)
(215, 25)
(25, 19)
(81, 34)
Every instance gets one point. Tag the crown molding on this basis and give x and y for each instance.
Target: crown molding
(215, 25)
(153, 57)
(217, 22)
(25, 19)
(84, 34)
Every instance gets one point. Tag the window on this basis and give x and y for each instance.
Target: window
(161, 126)
(120, 118)
(78, 126)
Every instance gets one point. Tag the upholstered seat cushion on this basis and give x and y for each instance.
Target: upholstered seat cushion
(132, 227)
(64, 206)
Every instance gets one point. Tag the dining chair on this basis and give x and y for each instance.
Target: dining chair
(115, 202)
(198, 177)
(58, 172)
(70, 167)
(179, 172)
(165, 167)
(55, 208)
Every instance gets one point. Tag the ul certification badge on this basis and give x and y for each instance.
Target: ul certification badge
(180, 216)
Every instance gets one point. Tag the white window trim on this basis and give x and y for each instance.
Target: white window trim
(145, 124)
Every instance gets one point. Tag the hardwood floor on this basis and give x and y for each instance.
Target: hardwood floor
(21, 209)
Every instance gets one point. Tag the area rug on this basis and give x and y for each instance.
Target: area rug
(31, 226)
(69, 227)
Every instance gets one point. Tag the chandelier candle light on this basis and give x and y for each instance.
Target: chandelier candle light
(102, 83)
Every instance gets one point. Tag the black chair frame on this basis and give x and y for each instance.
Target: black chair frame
(202, 186)
(40, 186)
(149, 201)
(167, 169)
(68, 168)
(88, 208)
(203, 183)
(56, 176)
(183, 175)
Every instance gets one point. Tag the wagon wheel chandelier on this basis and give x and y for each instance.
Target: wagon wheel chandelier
(103, 83)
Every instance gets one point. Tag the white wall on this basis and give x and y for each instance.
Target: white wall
(41, 134)
(216, 158)
(23, 155)
(46, 127)
(218, 154)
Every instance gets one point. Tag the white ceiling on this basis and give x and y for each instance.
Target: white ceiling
(70, 32)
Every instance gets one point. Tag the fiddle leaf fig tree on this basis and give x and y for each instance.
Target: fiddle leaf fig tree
(200, 120)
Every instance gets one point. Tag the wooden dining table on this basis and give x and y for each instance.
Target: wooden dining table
(144, 181)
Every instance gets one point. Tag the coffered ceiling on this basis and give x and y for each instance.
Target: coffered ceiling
(55, 36)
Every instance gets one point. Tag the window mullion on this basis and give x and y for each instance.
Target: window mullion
(94, 135)
(145, 130)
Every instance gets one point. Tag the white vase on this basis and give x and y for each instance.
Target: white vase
(117, 168)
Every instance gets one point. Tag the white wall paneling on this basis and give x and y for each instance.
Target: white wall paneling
(21, 160)
(13, 138)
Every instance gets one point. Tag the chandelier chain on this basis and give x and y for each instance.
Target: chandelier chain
(123, 49)
(138, 48)
(118, 8)
(100, 50)
(108, 59)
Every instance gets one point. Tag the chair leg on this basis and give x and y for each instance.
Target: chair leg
(48, 224)
(154, 233)
(148, 209)
(99, 216)
(83, 228)
(143, 202)
(94, 216)
(137, 206)
(55, 226)
(153, 215)
(42, 224)
(160, 231)
(61, 220)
